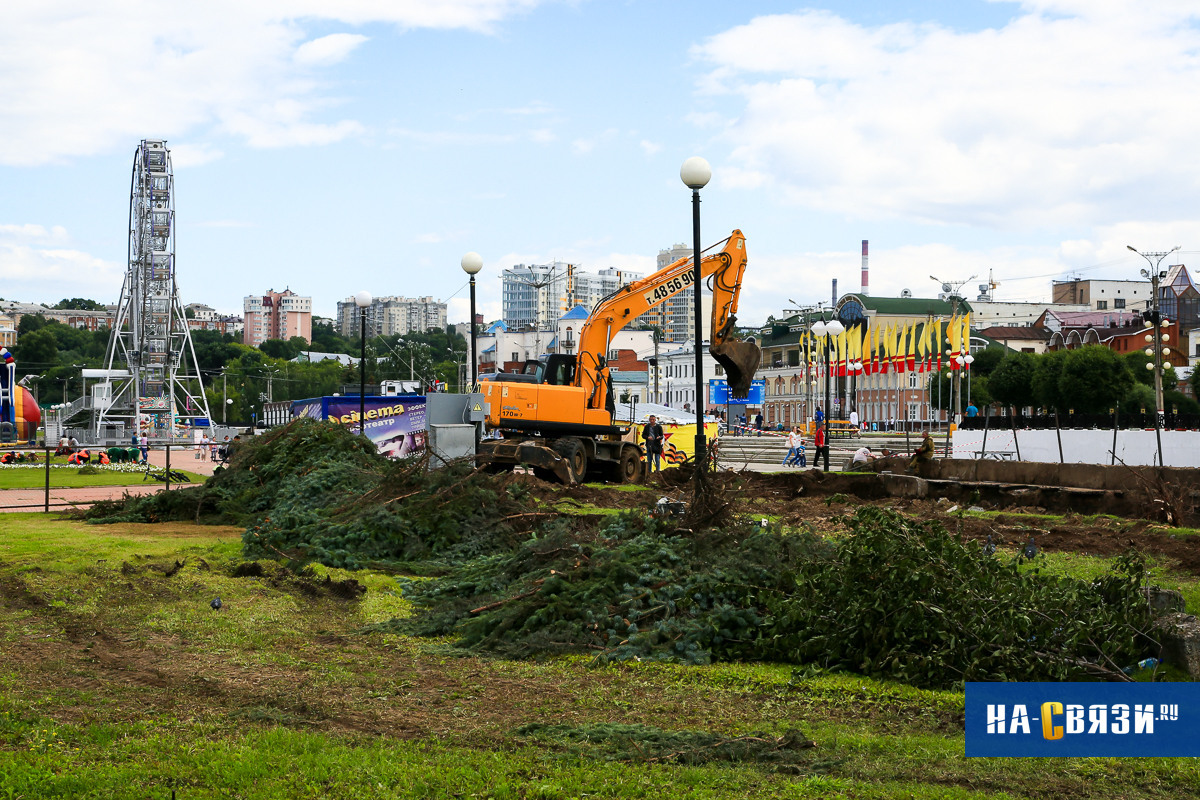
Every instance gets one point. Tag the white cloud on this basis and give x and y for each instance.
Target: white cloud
(1068, 114)
(28, 270)
(737, 178)
(636, 262)
(193, 155)
(649, 147)
(537, 107)
(585, 145)
(328, 49)
(29, 232)
(451, 138)
(80, 79)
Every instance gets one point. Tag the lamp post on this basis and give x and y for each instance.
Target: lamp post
(967, 361)
(825, 330)
(471, 263)
(363, 301)
(695, 174)
(804, 358)
(1154, 319)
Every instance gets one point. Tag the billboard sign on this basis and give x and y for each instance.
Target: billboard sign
(397, 425)
(719, 395)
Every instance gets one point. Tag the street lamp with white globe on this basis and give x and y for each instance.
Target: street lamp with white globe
(823, 331)
(471, 263)
(695, 174)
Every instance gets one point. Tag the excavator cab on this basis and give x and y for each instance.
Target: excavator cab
(740, 361)
(555, 369)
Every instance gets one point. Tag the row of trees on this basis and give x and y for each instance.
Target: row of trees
(244, 376)
(1088, 380)
(240, 378)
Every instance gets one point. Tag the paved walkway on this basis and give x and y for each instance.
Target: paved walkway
(34, 499)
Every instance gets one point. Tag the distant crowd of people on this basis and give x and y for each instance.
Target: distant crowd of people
(218, 451)
(797, 453)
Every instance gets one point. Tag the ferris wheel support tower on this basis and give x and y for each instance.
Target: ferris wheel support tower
(152, 384)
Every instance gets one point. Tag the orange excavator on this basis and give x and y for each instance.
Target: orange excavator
(557, 414)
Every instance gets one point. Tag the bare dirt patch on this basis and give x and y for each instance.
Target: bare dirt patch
(820, 501)
(176, 530)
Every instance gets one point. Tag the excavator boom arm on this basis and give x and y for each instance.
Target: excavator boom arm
(724, 267)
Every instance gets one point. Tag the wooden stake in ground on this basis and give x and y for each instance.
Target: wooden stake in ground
(987, 415)
(1016, 443)
(1058, 432)
(1116, 421)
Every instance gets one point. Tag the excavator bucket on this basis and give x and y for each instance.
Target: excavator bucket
(740, 360)
(529, 452)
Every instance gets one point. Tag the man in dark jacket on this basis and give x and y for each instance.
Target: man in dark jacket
(652, 434)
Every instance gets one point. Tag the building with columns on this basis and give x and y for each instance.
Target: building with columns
(793, 369)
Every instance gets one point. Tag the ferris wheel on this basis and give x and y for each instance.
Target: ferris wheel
(152, 384)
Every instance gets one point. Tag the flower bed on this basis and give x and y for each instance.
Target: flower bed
(105, 467)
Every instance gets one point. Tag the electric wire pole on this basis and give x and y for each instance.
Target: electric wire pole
(1154, 318)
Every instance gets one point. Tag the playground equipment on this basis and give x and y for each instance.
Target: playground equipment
(19, 412)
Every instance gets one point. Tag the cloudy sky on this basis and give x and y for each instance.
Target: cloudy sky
(332, 146)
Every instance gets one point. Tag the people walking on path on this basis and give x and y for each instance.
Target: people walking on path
(799, 459)
(820, 447)
(144, 446)
(795, 443)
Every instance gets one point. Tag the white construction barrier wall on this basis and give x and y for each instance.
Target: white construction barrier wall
(1134, 447)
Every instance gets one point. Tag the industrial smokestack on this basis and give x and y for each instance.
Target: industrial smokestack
(865, 282)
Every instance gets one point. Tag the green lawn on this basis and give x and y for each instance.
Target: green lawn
(120, 681)
(69, 478)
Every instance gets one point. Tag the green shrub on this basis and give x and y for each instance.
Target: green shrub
(905, 600)
(315, 491)
(894, 599)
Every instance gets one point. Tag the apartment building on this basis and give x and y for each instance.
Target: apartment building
(537, 295)
(392, 316)
(276, 315)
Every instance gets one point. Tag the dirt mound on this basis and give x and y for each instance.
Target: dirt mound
(305, 581)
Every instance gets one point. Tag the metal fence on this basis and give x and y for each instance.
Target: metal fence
(1182, 422)
(39, 459)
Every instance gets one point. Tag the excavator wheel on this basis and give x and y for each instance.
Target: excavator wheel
(575, 456)
(629, 468)
(740, 360)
